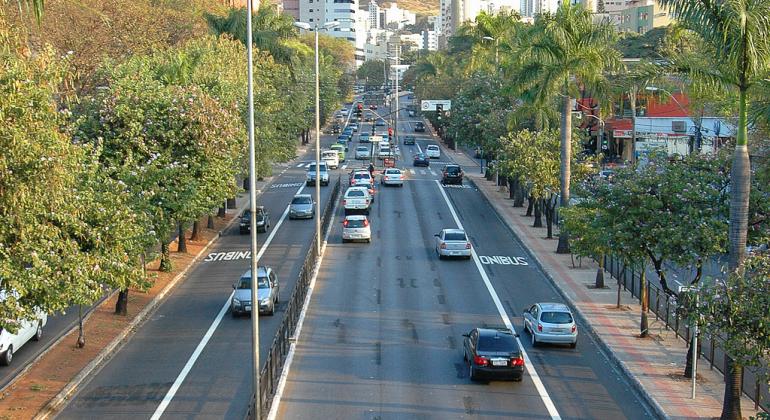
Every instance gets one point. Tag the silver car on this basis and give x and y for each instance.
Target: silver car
(392, 176)
(267, 292)
(356, 228)
(362, 152)
(302, 207)
(550, 323)
(453, 243)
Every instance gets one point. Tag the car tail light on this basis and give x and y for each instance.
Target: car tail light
(540, 327)
(468, 245)
(344, 201)
(517, 361)
(345, 223)
(366, 222)
(353, 181)
(480, 361)
(574, 328)
(442, 246)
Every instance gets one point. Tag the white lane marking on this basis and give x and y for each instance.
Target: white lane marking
(504, 315)
(411, 171)
(433, 173)
(212, 328)
(422, 172)
(300, 165)
(419, 149)
(345, 166)
(273, 414)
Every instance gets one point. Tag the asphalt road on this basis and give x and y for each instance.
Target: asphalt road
(383, 334)
(136, 379)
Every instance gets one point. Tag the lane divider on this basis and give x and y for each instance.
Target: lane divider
(542, 392)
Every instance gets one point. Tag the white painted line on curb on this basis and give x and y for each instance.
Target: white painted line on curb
(273, 415)
(506, 320)
(212, 328)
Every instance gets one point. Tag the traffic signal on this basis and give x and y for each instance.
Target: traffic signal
(605, 143)
(390, 131)
(439, 107)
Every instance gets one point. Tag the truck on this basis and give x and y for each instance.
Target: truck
(356, 199)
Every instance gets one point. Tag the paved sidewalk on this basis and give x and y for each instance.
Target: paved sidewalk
(654, 364)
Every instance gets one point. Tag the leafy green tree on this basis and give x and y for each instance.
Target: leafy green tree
(738, 36)
(567, 51)
(372, 73)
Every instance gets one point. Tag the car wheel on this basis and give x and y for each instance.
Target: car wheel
(272, 310)
(534, 339)
(234, 313)
(573, 345)
(39, 333)
(472, 372)
(7, 357)
(344, 240)
(368, 240)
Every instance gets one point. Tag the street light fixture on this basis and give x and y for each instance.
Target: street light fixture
(307, 27)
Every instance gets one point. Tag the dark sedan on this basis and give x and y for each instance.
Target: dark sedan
(263, 220)
(493, 353)
(452, 174)
(409, 140)
(420, 159)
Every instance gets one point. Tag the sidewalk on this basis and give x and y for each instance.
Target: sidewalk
(654, 364)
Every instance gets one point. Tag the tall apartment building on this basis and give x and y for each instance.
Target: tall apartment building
(318, 12)
(454, 13)
(398, 17)
(374, 15)
(640, 16)
(429, 40)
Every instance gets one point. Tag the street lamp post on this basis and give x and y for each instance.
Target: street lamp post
(253, 207)
(307, 27)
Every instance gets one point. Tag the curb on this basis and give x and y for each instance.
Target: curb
(53, 406)
(619, 364)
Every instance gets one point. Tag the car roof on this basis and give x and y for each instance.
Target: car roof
(337, 146)
(554, 307)
(302, 195)
(358, 189)
(393, 170)
(493, 331)
(432, 146)
(454, 231)
(355, 217)
(261, 272)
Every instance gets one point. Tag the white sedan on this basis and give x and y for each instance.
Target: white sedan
(453, 243)
(433, 152)
(392, 176)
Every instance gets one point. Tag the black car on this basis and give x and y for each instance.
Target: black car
(419, 126)
(493, 353)
(452, 174)
(409, 140)
(420, 159)
(263, 220)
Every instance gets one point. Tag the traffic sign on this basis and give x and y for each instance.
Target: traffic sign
(430, 104)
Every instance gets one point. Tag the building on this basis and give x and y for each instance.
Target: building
(454, 13)
(395, 18)
(318, 12)
(637, 16)
(374, 16)
(290, 7)
(429, 40)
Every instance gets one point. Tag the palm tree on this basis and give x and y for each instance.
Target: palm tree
(737, 34)
(36, 5)
(566, 52)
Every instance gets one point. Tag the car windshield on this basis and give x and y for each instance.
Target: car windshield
(419, 156)
(497, 342)
(245, 283)
(301, 200)
(356, 193)
(362, 176)
(556, 317)
(363, 149)
(452, 170)
(312, 166)
(454, 236)
(355, 223)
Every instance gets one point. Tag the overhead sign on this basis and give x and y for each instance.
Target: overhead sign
(430, 104)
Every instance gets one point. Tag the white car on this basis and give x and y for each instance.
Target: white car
(392, 176)
(356, 228)
(331, 157)
(550, 323)
(452, 243)
(357, 199)
(433, 152)
(10, 343)
(362, 152)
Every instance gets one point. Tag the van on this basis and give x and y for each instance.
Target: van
(383, 150)
(10, 343)
(331, 157)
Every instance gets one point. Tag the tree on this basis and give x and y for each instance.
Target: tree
(738, 36)
(372, 73)
(567, 51)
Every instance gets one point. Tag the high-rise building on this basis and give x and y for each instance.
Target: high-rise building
(429, 40)
(454, 13)
(374, 15)
(318, 12)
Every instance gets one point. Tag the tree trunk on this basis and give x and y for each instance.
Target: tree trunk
(231, 203)
(81, 334)
(195, 231)
(548, 206)
(731, 406)
(565, 158)
(165, 258)
(739, 211)
(181, 239)
(644, 325)
(222, 210)
(210, 223)
(121, 306)
(538, 213)
(512, 185)
(518, 198)
(620, 284)
(530, 205)
(245, 183)
(599, 284)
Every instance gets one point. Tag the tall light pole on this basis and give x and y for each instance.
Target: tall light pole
(497, 74)
(307, 27)
(253, 208)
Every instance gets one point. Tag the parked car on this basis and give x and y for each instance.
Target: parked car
(362, 152)
(357, 200)
(356, 228)
(340, 151)
(263, 220)
(29, 329)
(452, 174)
(452, 243)
(331, 157)
(268, 292)
(302, 207)
(419, 127)
(421, 159)
(493, 353)
(433, 151)
(323, 170)
(409, 140)
(550, 323)
(392, 176)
